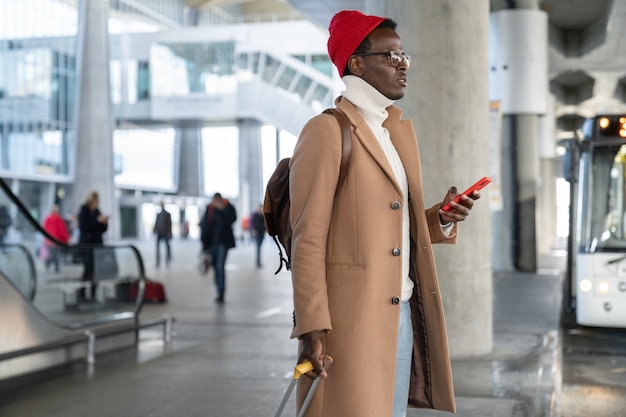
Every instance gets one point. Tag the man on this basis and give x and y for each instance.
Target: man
(365, 285)
(217, 238)
(163, 231)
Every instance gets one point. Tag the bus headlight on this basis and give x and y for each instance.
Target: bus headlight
(603, 287)
(585, 285)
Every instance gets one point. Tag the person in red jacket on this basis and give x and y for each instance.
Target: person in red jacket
(56, 227)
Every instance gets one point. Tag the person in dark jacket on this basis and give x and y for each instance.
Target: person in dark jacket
(216, 234)
(163, 232)
(258, 230)
(92, 224)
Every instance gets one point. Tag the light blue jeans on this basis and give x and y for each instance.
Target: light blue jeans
(218, 255)
(403, 361)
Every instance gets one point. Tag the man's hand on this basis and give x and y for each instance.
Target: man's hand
(460, 211)
(312, 351)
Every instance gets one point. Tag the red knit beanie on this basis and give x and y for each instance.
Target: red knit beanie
(347, 30)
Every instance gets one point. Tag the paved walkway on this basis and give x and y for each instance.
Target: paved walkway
(235, 360)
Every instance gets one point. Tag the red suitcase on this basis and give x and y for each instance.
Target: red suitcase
(154, 293)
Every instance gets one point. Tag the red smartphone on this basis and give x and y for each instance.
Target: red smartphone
(478, 185)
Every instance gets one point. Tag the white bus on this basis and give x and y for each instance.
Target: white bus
(596, 170)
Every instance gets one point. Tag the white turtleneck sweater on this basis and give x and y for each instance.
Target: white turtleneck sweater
(373, 107)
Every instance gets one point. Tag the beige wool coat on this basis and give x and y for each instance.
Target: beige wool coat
(346, 278)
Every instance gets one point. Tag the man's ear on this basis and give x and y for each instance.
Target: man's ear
(355, 64)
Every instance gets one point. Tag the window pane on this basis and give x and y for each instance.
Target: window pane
(37, 152)
(286, 78)
(145, 159)
(270, 68)
(220, 152)
(184, 69)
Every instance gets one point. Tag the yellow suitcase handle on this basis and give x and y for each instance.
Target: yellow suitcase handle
(302, 368)
(306, 366)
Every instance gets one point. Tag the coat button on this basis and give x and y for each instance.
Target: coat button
(395, 205)
(395, 301)
(396, 252)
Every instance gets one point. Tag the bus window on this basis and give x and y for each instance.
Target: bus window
(607, 202)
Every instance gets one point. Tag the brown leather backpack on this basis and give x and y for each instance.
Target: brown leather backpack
(276, 205)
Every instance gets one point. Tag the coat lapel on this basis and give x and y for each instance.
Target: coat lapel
(405, 142)
(366, 137)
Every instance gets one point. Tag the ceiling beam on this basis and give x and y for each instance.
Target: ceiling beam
(202, 4)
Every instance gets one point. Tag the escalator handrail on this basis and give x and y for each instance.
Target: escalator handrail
(31, 266)
(80, 246)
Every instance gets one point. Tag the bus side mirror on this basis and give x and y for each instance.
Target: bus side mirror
(566, 148)
(567, 165)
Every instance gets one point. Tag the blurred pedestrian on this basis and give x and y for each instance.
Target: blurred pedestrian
(5, 223)
(55, 226)
(245, 229)
(258, 229)
(216, 228)
(91, 224)
(163, 231)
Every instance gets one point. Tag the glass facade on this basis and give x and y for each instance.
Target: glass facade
(184, 69)
(321, 63)
(157, 80)
(133, 16)
(37, 87)
(136, 82)
(282, 74)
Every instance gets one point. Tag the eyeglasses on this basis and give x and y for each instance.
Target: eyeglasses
(395, 57)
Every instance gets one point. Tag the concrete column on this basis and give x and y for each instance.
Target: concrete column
(504, 220)
(190, 174)
(527, 175)
(519, 68)
(251, 190)
(547, 211)
(447, 99)
(94, 115)
(549, 172)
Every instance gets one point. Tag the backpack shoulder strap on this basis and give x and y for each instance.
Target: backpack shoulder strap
(346, 134)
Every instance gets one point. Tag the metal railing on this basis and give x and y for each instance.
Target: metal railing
(66, 308)
(89, 337)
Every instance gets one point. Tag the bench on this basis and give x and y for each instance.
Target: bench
(70, 287)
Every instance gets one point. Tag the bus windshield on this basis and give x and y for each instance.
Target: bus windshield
(604, 205)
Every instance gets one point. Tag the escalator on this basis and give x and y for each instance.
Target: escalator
(50, 317)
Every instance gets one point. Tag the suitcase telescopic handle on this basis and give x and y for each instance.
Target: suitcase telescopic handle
(301, 369)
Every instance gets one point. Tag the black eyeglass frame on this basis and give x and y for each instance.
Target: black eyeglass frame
(403, 57)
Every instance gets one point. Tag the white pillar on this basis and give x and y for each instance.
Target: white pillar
(251, 189)
(519, 80)
(94, 115)
(191, 175)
